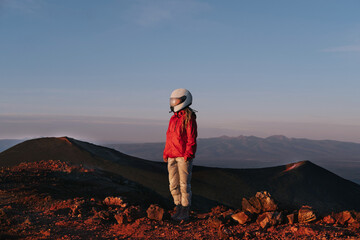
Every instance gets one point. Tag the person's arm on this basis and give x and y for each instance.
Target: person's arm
(166, 149)
(191, 131)
(165, 155)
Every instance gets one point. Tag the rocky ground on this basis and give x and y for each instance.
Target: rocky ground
(51, 200)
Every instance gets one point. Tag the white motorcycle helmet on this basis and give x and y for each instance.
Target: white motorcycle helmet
(180, 99)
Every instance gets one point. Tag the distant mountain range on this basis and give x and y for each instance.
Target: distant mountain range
(292, 185)
(343, 158)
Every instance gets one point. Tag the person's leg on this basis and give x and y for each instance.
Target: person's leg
(174, 180)
(185, 173)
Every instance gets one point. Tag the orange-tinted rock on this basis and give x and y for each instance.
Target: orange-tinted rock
(291, 218)
(155, 212)
(355, 225)
(102, 215)
(268, 219)
(267, 203)
(306, 214)
(241, 217)
(132, 213)
(344, 218)
(75, 208)
(261, 202)
(247, 205)
(329, 219)
(120, 218)
(255, 202)
(117, 201)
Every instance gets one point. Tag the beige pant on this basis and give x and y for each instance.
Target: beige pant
(179, 178)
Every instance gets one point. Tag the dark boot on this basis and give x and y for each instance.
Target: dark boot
(184, 214)
(177, 212)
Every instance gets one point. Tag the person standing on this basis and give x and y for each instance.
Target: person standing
(179, 152)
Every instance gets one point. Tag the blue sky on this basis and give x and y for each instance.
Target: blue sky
(253, 67)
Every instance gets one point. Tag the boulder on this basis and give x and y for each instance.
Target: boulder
(267, 203)
(268, 219)
(261, 202)
(306, 214)
(344, 218)
(155, 212)
(255, 202)
(242, 217)
(248, 207)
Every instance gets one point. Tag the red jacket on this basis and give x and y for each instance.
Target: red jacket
(181, 143)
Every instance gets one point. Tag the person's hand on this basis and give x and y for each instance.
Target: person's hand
(165, 159)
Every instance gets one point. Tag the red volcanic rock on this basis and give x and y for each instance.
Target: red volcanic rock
(356, 222)
(242, 217)
(117, 201)
(267, 203)
(129, 215)
(264, 220)
(328, 219)
(268, 219)
(261, 202)
(355, 225)
(120, 218)
(155, 212)
(344, 218)
(291, 218)
(248, 207)
(306, 214)
(75, 209)
(256, 204)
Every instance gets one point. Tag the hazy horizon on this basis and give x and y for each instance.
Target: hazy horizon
(132, 130)
(104, 70)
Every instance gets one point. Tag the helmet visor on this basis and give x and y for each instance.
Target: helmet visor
(176, 101)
